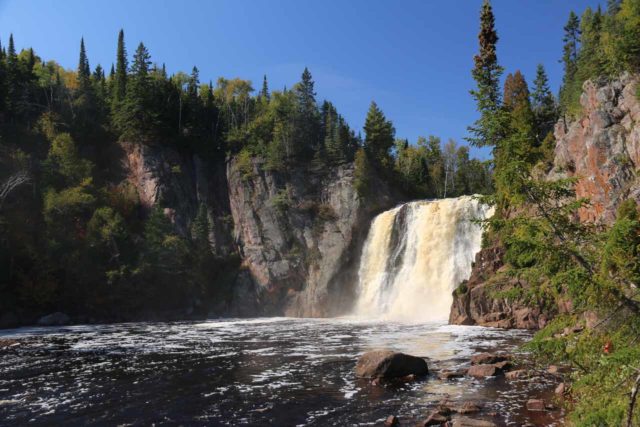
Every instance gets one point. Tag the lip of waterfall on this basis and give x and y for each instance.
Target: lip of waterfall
(414, 257)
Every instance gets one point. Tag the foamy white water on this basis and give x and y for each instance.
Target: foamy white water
(414, 257)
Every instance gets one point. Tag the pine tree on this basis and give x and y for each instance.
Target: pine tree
(3, 82)
(488, 130)
(200, 229)
(516, 91)
(543, 104)
(14, 93)
(571, 41)
(120, 81)
(519, 146)
(307, 117)
(84, 72)
(379, 136)
(264, 93)
(137, 117)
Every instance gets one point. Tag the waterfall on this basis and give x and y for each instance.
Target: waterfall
(414, 257)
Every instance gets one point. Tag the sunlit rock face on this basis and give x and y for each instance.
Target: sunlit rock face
(602, 147)
(299, 235)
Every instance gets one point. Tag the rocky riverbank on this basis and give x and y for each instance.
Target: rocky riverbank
(542, 405)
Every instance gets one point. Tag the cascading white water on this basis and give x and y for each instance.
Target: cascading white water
(414, 257)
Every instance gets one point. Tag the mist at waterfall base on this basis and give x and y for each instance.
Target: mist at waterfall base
(280, 371)
(415, 256)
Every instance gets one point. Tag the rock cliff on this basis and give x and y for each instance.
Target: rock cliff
(298, 233)
(601, 149)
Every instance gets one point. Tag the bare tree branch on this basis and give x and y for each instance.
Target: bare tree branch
(13, 182)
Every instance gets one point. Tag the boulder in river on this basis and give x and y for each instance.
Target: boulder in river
(482, 371)
(54, 319)
(489, 358)
(391, 421)
(389, 364)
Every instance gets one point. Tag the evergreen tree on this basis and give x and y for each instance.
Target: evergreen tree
(488, 130)
(14, 93)
(3, 83)
(543, 104)
(84, 72)
(264, 93)
(120, 80)
(379, 136)
(137, 115)
(200, 230)
(307, 117)
(571, 41)
(520, 143)
(516, 92)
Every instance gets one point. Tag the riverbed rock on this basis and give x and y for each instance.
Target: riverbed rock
(535, 405)
(470, 422)
(483, 371)
(519, 373)
(434, 419)
(489, 358)
(560, 389)
(446, 407)
(54, 319)
(392, 421)
(553, 369)
(451, 375)
(388, 364)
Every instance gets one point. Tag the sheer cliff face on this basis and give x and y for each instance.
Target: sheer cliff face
(601, 149)
(298, 233)
(181, 183)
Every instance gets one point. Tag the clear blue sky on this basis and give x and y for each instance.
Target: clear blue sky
(413, 57)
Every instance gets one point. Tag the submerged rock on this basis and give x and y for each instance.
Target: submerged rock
(470, 422)
(54, 319)
(389, 364)
(535, 405)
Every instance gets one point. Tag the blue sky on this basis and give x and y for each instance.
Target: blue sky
(413, 57)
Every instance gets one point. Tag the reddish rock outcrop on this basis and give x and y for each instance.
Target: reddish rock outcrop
(601, 149)
(477, 301)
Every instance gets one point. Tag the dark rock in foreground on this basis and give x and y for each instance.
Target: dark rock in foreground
(389, 364)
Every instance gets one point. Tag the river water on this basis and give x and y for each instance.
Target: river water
(268, 371)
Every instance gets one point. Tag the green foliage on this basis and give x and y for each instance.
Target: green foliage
(379, 137)
(362, 174)
(244, 164)
(281, 200)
